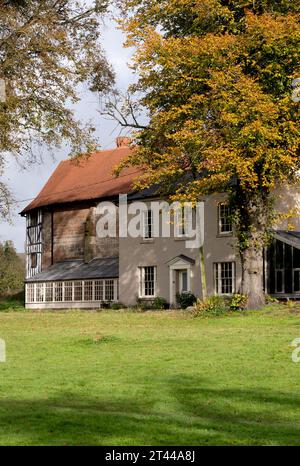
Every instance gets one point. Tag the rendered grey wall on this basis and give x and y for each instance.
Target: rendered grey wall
(135, 253)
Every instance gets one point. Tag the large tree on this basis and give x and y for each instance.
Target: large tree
(215, 77)
(47, 48)
(12, 269)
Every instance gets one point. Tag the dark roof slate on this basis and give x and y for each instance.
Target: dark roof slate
(79, 270)
(290, 237)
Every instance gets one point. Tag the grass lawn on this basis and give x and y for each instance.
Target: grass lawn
(154, 378)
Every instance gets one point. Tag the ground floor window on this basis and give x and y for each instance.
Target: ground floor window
(88, 291)
(68, 291)
(224, 277)
(72, 291)
(58, 291)
(109, 290)
(283, 261)
(147, 282)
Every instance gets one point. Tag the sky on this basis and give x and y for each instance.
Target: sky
(26, 184)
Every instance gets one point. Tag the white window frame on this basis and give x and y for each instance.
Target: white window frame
(146, 224)
(142, 282)
(218, 278)
(36, 292)
(220, 232)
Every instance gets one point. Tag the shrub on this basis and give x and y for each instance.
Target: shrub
(12, 303)
(271, 300)
(238, 302)
(160, 303)
(185, 299)
(211, 306)
(117, 306)
(144, 304)
(105, 305)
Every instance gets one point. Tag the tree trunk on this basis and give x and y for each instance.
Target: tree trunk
(253, 275)
(252, 239)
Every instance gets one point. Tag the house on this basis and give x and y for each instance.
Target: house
(69, 264)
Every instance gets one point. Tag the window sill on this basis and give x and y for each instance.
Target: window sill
(147, 240)
(181, 238)
(225, 235)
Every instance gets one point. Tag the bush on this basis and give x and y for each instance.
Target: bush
(211, 306)
(144, 304)
(117, 306)
(219, 305)
(238, 302)
(12, 303)
(160, 303)
(185, 299)
(271, 300)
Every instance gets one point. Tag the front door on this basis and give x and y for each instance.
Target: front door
(183, 281)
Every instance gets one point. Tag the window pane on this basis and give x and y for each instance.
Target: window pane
(33, 260)
(279, 254)
(296, 281)
(78, 291)
(184, 277)
(88, 291)
(68, 291)
(149, 281)
(49, 292)
(58, 291)
(279, 281)
(225, 225)
(39, 292)
(288, 275)
(148, 219)
(33, 219)
(224, 278)
(99, 290)
(296, 258)
(30, 292)
(109, 290)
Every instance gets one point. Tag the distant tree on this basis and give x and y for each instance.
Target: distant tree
(215, 78)
(47, 48)
(12, 269)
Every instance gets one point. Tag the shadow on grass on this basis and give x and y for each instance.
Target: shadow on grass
(198, 415)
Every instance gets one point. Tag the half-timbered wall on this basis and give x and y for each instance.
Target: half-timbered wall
(34, 241)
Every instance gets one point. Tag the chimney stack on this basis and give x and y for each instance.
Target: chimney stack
(123, 141)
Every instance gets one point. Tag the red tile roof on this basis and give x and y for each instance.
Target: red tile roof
(87, 179)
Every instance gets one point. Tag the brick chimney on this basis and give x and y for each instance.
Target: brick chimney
(123, 141)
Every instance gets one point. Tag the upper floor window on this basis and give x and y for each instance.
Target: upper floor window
(224, 219)
(224, 277)
(148, 224)
(147, 282)
(184, 220)
(33, 260)
(34, 218)
(181, 219)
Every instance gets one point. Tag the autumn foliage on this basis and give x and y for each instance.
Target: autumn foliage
(215, 78)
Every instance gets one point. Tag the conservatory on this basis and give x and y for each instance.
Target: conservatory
(74, 284)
